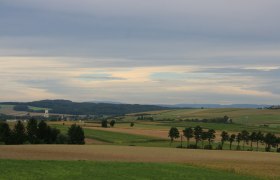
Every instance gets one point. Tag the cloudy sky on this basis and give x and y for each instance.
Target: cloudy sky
(140, 51)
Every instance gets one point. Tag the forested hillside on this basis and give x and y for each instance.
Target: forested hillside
(85, 108)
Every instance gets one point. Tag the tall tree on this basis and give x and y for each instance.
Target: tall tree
(188, 133)
(211, 136)
(252, 137)
(259, 138)
(269, 140)
(231, 140)
(19, 135)
(32, 128)
(224, 138)
(245, 137)
(204, 136)
(173, 134)
(5, 133)
(197, 134)
(43, 131)
(238, 140)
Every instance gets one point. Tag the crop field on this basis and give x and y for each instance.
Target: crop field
(264, 165)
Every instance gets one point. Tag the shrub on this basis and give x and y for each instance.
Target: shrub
(62, 139)
(76, 135)
(112, 123)
(192, 146)
(104, 123)
(179, 146)
(219, 147)
(132, 124)
(209, 147)
(267, 149)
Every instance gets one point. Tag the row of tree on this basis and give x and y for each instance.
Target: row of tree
(39, 133)
(200, 135)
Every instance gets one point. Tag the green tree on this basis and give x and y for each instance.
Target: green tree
(238, 140)
(104, 123)
(188, 133)
(245, 138)
(173, 134)
(5, 133)
(42, 132)
(204, 136)
(18, 133)
(53, 134)
(252, 138)
(224, 138)
(32, 128)
(277, 144)
(269, 140)
(76, 135)
(112, 123)
(231, 140)
(131, 124)
(197, 134)
(259, 138)
(211, 136)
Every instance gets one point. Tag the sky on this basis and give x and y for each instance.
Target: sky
(141, 51)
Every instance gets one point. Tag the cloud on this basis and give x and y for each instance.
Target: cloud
(140, 51)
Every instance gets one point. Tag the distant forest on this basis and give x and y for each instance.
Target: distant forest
(84, 108)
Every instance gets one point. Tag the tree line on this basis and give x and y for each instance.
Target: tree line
(241, 139)
(39, 133)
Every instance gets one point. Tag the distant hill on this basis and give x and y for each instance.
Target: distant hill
(85, 108)
(254, 106)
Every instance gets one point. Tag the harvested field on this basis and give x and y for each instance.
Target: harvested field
(253, 163)
(163, 134)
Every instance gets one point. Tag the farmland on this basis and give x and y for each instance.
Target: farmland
(146, 147)
(265, 120)
(251, 163)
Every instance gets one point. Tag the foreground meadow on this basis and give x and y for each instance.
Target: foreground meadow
(253, 164)
(109, 170)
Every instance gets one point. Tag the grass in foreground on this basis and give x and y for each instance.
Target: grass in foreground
(23, 169)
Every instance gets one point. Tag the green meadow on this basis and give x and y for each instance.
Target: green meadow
(35, 169)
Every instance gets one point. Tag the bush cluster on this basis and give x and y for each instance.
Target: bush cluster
(39, 133)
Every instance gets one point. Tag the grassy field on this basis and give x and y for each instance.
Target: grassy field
(251, 119)
(108, 170)
(127, 136)
(119, 138)
(242, 116)
(37, 108)
(264, 165)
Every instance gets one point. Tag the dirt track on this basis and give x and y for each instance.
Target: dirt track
(255, 163)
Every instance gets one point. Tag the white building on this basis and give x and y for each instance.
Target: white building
(46, 115)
